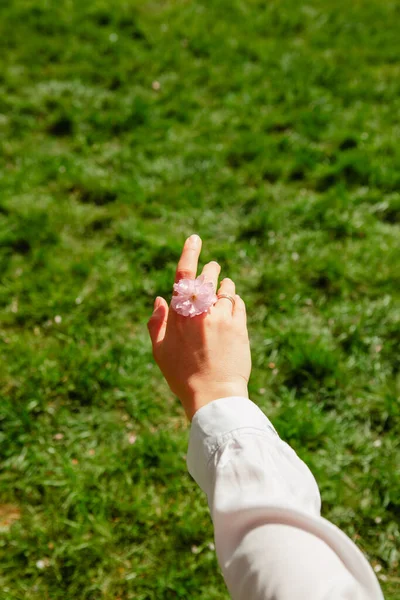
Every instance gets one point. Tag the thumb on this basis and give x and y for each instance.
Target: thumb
(158, 320)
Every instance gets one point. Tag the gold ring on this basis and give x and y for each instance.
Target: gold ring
(228, 297)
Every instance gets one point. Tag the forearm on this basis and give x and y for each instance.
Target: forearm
(271, 541)
(282, 562)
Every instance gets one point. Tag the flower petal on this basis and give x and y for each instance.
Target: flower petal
(193, 296)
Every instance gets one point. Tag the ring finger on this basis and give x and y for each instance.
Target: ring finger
(227, 287)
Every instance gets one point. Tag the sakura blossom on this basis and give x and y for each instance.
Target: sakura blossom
(193, 296)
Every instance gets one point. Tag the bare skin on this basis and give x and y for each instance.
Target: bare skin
(208, 356)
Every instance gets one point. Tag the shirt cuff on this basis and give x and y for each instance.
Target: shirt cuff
(213, 423)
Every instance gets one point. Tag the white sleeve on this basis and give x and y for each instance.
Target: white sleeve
(271, 542)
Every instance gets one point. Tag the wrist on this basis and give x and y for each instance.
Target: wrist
(199, 398)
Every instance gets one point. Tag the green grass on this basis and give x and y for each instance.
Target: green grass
(274, 135)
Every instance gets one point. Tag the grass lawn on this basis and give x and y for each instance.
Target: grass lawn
(272, 130)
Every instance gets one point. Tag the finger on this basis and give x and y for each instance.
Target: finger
(224, 304)
(158, 321)
(187, 265)
(239, 312)
(211, 271)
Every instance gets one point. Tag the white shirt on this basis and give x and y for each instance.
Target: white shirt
(270, 539)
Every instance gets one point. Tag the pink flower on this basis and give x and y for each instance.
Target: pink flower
(194, 296)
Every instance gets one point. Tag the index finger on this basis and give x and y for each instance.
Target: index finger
(187, 265)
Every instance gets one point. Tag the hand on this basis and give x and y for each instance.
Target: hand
(204, 357)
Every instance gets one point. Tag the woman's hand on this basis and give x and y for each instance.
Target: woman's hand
(204, 357)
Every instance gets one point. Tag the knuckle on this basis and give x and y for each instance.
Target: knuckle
(243, 333)
(209, 323)
(225, 318)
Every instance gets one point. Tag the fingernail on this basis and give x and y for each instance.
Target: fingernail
(194, 239)
(156, 302)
